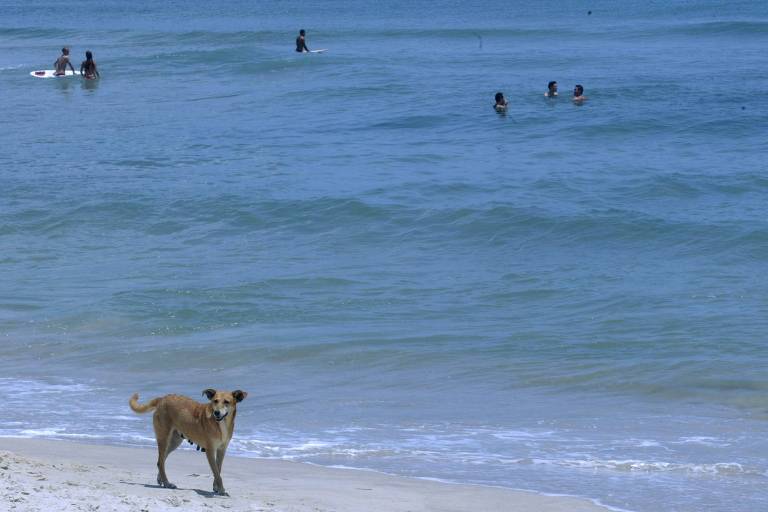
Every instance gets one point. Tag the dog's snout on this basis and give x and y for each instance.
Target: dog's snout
(219, 414)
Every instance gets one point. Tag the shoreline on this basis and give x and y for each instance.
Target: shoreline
(44, 475)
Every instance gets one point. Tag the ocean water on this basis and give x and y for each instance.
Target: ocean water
(567, 299)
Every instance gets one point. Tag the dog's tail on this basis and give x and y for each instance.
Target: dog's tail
(134, 403)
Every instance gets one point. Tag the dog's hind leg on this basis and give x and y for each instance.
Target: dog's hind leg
(165, 437)
(176, 440)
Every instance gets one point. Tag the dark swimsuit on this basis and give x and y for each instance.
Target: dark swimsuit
(88, 69)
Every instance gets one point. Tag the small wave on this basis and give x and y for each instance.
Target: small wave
(126, 418)
(200, 37)
(227, 215)
(739, 28)
(414, 122)
(508, 435)
(46, 432)
(295, 446)
(639, 443)
(702, 440)
(24, 388)
(734, 27)
(714, 469)
(474, 33)
(38, 33)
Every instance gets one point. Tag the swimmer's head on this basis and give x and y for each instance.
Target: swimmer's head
(499, 98)
(552, 86)
(302, 32)
(578, 90)
(65, 50)
(88, 55)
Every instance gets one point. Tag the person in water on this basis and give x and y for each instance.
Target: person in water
(301, 42)
(578, 94)
(62, 62)
(501, 103)
(551, 90)
(88, 67)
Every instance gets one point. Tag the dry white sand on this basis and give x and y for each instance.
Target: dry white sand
(56, 476)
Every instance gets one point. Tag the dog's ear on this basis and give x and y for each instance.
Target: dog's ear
(208, 393)
(239, 395)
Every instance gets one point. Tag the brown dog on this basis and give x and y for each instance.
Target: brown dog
(209, 426)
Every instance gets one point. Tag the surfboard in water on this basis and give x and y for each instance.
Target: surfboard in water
(319, 51)
(51, 73)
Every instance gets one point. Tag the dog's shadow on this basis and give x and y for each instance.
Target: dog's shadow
(210, 494)
(200, 492)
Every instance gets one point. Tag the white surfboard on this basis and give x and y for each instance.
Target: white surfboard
(51, 73)
(319, 51)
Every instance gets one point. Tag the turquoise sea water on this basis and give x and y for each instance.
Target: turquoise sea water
(568, 299)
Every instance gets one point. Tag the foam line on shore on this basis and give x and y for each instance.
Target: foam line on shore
(67, 476)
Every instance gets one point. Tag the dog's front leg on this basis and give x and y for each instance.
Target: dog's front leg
(218, 485)
(220, 456)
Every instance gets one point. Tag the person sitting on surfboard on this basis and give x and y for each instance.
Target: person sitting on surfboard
(578, 94)
(551, 90)
(62, 62)
(88, 67)
(301, 42)
(501, 102)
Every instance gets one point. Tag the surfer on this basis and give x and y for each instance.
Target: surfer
(578, 94)
(88, 67)
(551, 90)
(501, 103)
(301, 42)
(62, 62)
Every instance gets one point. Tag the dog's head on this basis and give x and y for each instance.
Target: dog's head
(224, 403)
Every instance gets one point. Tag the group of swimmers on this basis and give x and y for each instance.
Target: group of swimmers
(87, 68)
(578, 96)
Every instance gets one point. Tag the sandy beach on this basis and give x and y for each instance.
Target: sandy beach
(41, 475)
